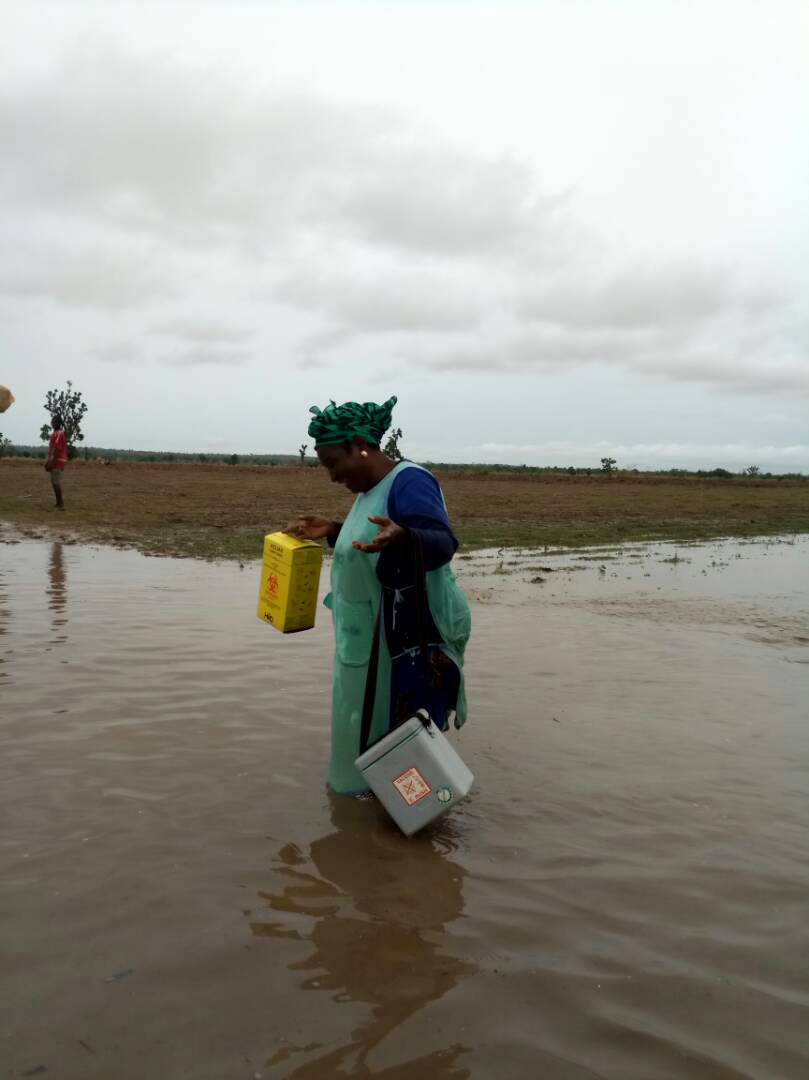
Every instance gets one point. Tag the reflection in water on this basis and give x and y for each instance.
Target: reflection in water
(5, 617)
(57, 591)
(376, 899)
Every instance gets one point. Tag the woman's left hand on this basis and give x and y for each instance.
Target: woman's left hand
(389, 533)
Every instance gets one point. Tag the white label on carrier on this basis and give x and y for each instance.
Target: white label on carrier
(412, 786)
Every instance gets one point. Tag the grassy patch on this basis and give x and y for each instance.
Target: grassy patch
(223, 512)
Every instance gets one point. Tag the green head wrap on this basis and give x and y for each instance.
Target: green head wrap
(340, 423)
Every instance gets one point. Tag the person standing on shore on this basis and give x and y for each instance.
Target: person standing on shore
(57, 458)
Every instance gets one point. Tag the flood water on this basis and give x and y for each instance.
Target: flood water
(624, 894)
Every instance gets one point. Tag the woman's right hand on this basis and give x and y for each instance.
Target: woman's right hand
(309, 527)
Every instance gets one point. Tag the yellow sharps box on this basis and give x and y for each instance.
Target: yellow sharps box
(290, 575)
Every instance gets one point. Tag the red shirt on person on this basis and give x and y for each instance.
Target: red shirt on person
(57, 449)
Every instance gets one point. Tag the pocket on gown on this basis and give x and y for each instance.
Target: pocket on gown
(455, 618)
(354, 630)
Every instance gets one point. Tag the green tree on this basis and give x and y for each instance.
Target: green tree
(608, 465)
(4, 444)
(302, 451)
(391, 448)
(69, 405)
(752, 470)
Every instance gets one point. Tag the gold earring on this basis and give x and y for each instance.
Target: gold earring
(363, 453)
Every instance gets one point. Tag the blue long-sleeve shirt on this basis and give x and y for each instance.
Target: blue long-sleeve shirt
(415, 503)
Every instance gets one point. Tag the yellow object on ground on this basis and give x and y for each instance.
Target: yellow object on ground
(290, 575)
(6, 398)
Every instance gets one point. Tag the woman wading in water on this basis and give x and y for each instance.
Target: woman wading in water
(399, 511)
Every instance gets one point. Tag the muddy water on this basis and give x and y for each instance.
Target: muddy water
(624, 896)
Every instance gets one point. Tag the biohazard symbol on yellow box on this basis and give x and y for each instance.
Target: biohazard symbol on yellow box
(290, 575)
(412, 786)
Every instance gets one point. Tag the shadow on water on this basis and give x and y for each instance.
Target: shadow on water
(375, 899)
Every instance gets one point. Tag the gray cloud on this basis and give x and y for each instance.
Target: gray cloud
(444, 203)
(146, 145)
(121, 353)
(417, 238)
(312, 361)
(737, 372)
(673, 354)
(111, 137)
(206, 356)
(667, 294)
(96, 279)
(201, 332)
(552, 348)
(515, 354)
(389, 302)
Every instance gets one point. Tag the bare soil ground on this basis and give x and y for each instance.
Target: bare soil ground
(223, 511)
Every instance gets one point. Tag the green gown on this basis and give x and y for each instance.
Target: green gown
(354, 602)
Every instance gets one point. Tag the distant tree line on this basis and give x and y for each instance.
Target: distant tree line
(70, 406)
(92, 453)
(105, 453)
(601, 470)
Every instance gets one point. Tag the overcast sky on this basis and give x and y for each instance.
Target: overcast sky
(557, 231)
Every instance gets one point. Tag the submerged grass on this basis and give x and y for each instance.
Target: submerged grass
(223, 512)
